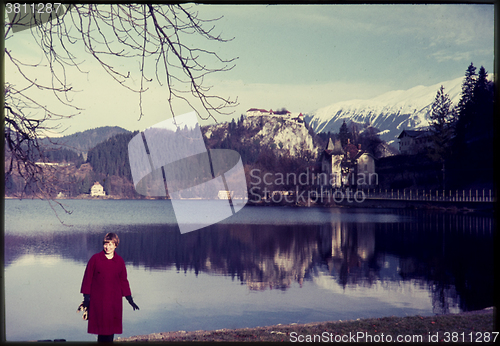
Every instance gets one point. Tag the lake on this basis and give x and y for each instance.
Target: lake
(262, 266)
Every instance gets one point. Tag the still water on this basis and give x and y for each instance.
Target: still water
(262, 266)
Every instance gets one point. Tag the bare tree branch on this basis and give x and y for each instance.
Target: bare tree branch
(154, 36)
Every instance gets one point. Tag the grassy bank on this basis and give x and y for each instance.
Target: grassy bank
(476, 326)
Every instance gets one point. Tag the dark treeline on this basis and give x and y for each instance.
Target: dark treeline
(471, 155)
(462, 135)
(230, 137)
(106, 163)
(460, 154)
(64, 155)
(111, 156)
(81, 142)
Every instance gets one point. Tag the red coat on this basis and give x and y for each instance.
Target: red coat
(106, 282)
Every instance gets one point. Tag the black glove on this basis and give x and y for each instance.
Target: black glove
(131, 302)
(86, 300)
(84, 306)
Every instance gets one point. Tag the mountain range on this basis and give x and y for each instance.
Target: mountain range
(82, 142)
(391, 112)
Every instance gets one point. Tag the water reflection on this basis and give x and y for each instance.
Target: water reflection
(449, 255)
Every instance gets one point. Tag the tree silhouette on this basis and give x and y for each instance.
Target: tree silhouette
(473, 142)
(153, 35)
(441, 123)
(441, 126)
(464, 108)
(344, 134)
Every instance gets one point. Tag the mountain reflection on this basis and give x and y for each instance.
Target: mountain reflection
(450, 255)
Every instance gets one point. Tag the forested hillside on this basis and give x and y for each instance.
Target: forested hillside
(82, 142)
(266, 145)
(111, 156)
(269, 146)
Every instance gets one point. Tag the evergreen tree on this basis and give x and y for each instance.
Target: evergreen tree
(344, 134)
(473, 143)
(482, 106)
(479, 135)
(111, 156)
(107, 185)
(468, 86)
(441, 125)
(85, 185)
(441, 128)
(370, 140)
(465, 104)
(354, 133)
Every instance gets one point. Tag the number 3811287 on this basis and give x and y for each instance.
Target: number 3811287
(32, 8)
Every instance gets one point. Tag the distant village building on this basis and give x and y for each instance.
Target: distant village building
(347, 167)
(224, 194)
(255, 112)
(252, 112)
(414, 141)
(281, 193)
(97, 190)
(299, 118)
(54, 164)
(331, 159)
(366, 176)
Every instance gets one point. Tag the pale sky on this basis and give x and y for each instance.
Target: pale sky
(301, 57)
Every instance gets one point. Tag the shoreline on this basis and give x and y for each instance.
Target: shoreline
(471, 326)
(447, 206)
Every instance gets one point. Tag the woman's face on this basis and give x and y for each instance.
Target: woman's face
(109, 247)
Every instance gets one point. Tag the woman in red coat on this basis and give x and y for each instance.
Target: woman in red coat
(103, 286)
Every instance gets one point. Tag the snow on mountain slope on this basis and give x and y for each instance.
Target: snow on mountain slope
(390, 112)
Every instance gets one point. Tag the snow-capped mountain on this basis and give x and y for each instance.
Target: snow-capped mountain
(391, 112)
